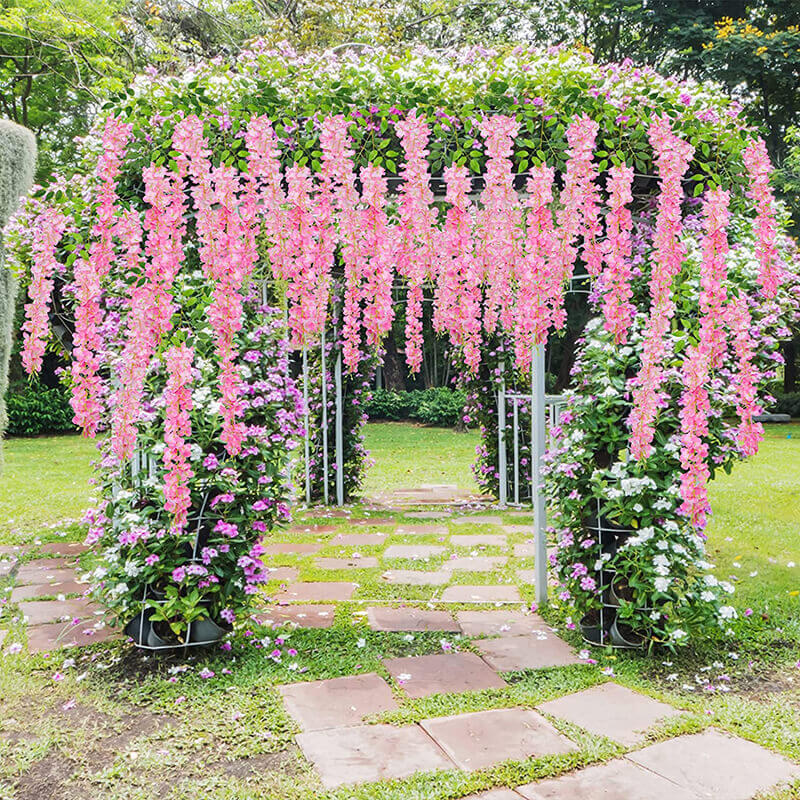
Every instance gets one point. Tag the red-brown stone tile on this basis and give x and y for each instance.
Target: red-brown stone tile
(410, 619)
(534, 651)
(420, 676)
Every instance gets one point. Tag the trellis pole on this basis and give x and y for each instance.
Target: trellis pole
(537, 488)
(339, 434)
(307, 427)
(324, 421)
(501, 437)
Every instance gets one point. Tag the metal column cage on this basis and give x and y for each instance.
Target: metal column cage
(202, 632)
(607, 628)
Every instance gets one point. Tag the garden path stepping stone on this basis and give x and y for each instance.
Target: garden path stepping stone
(366, 562)
(55, 635)
(312, 529)
(611, 710)
(475, 563)
(422, 530)
(34, 573)
(413, 551)
(6, 566)
(526, 529)
(317, 591)
(494, 540)
(499, 623)
(428, 514)
(715, 766)
(290, 548)
(481, 594)
(535, 651)
(317, 616)
(371, 753)
(527, 577)
(525, 550)
(338, 702)
(34, 590)
(416, 577)
(494, 794)
(485, 738)
(3, 634)
(285, 574)
(64, 548)
(358, 539)
(373, 521)
(410, 619)
(617, 780)
(450, 673)
(478, 519)
(39, 612)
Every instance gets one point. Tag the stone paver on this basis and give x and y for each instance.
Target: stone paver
(34, 590)
(63, 548)
(525, 550)
(317, 616)
(317, 591)
(373, 521)
(416, 577)
(485, 738)
(481, 594)
(617, 780)
(39, 612)
(55, 635)
(371, 753)
(421, 676)
(362, 562)
(291, 548)
(34, 573)
(284, 574)
(428, 514)
(410, 619)
(422, 530)
(611, 710)
(535, 651)
(414, 552)
(307, 529)
(358, 539)
(479, 539)
(715, 766)
(474, 563)
(499, 623)
(527, 529)
(526, 577)
(478, 519)
(338, 702)
(6, 566)
(3, 634)
(495, 794)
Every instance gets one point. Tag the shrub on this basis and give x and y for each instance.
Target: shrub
(787, 404)
(35, 409)
(440, 406)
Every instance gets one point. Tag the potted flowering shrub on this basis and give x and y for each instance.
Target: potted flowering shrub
(186, 585)
(628, 549)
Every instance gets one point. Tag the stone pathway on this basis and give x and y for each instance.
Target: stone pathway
(456, 576)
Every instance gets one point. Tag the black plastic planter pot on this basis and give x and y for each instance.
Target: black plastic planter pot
(140, 627)
(593, 631)
(622, 636)
(206, 631)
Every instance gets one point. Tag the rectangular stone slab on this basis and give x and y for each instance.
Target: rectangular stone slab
(506, 622)
(617, 780)
(474, 563)
(481, 594)
(478, 519)
(485, 738)
(476, 540)
(511, 653)
(410, 619)
(347, 756)
(414, 551)
(32, 573)
(34, 590)
(716, 766)
(358, 539)
(420, 676)
(290, 548)
(39, 612)
(56, 635)
(337, 702)
(364, 562)
(612, 711)
(416, 577)
(317, 591)
(303, 616)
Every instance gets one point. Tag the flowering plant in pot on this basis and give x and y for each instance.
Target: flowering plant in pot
(629, 531)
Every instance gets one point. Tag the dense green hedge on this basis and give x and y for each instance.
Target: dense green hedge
(439, 406)
(34, 409)
(787, 404)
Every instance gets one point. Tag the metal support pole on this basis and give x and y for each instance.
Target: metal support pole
(307, 427)
(516, 451)
(537, 451)
(501, 438)
(339, 434)
(324, 422)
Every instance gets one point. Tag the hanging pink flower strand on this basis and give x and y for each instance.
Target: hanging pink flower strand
(457, 306)
(416, 253)
(759, 170)
(90, 271)
(47, 232)
(672, 157)
(746, 376)
(177, 433)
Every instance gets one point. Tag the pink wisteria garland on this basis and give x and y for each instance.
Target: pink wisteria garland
(177, 432)
(672, 157)
(48, 228)
(457, 307)
(759, 170)
(90, 270)
(416, 253)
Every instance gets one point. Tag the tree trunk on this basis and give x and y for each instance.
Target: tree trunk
(790, 375)
(394, 372)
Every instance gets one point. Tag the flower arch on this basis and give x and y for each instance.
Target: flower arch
(491, 179)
